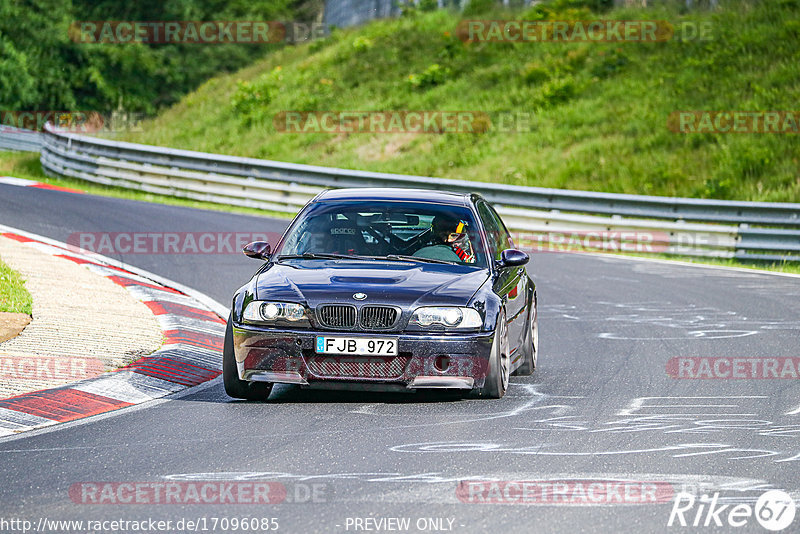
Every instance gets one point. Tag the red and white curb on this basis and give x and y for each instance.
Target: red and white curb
(193, 329)
(22, 182)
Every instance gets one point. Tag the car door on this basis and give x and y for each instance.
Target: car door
(510, 283)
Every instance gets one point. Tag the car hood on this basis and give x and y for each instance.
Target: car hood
(401, 284)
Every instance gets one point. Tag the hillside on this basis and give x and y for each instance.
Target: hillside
(598, 111)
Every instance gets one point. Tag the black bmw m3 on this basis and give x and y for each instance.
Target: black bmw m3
(387, 290)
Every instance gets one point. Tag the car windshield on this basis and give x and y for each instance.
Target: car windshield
(392, 231)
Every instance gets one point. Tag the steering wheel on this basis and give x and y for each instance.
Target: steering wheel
(404, 247)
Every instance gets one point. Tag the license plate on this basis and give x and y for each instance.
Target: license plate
(356, 345)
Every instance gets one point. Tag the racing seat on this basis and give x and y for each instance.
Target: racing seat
(344, 237)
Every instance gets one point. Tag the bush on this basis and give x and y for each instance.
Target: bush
(362, 44)
(49, 68)
(432, 76)
(610, 64)
(535, 73)
(479, 7)
(250, 100)
(428, 5)
(558, 91)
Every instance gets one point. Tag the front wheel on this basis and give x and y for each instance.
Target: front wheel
(496, 382)
(234, 386)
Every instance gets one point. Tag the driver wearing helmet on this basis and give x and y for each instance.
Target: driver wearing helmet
(449, 241)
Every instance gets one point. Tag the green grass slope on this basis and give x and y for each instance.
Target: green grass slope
(599, 110)
(14, 298)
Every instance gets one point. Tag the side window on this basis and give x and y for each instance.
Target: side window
(504, 240)
(493, 231)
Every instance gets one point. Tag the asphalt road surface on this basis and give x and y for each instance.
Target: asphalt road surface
(600, 430)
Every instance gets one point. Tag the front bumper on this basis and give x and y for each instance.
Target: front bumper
(424, 361)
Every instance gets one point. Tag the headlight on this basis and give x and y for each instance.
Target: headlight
(447, 317)
(259, 311)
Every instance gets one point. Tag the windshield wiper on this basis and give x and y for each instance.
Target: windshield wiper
(390, 257)
(403, 257)
(322, 256)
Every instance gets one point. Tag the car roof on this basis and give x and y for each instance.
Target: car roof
(394, 193)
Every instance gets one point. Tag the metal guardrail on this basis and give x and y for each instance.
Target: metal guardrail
(19, 139)
(544, 219)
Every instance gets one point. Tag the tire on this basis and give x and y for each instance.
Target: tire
(234, 386)
(531, 348)
(496, 382)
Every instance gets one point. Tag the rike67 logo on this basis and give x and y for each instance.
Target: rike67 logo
(774, 510)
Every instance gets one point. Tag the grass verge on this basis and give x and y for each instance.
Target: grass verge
(14, 298)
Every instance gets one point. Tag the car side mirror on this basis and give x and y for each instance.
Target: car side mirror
(512, 257)
(259, 250)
